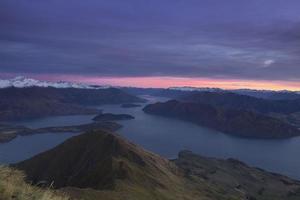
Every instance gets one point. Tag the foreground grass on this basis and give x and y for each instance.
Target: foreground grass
(13, 187)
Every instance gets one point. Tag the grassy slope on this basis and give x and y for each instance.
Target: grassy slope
(233, 178)
(13, 186)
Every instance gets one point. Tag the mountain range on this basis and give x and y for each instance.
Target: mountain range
(175, 92)
(23, 82)
(265, 94)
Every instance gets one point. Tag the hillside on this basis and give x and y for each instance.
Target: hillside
(100, 165)
(231, 177)
(32, 102)
(13, 186)
(243, 102)
(104, 162)
(235, 122)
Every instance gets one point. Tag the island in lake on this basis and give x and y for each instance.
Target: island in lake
(130, 105)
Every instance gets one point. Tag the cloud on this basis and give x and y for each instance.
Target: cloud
(268, 62)
(206, 38)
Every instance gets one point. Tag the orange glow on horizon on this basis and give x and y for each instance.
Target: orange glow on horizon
(165, 82)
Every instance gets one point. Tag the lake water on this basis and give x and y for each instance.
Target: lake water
(166, 137)
(26, 146)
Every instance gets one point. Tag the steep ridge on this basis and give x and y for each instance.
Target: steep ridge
(103, 166)
(235, 122)
(102, 161)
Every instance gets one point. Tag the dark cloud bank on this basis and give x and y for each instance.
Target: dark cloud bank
(257, 39)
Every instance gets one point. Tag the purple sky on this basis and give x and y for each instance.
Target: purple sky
(232, 39)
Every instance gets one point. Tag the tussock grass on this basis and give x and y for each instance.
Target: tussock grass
(13, 187)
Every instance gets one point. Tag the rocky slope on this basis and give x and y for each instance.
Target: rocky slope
(100, 165)
(235, 122)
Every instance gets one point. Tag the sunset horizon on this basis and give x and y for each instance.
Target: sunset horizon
(166, 82)
(199, 44)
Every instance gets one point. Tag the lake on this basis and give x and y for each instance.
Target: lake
(166, 137)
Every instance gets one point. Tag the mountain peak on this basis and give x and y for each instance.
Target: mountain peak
(97, 159)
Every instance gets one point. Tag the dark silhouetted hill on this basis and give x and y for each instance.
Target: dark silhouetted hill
(235, 122)
(24, 103)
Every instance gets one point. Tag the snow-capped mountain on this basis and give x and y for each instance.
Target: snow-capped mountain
(22, 82)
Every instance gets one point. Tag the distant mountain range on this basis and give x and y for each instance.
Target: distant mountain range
(23, 82)
(102, 165)
(175, 92)
(266, 94)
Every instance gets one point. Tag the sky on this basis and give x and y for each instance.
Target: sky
(157, 43)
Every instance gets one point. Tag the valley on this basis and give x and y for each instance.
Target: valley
(164, 136)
